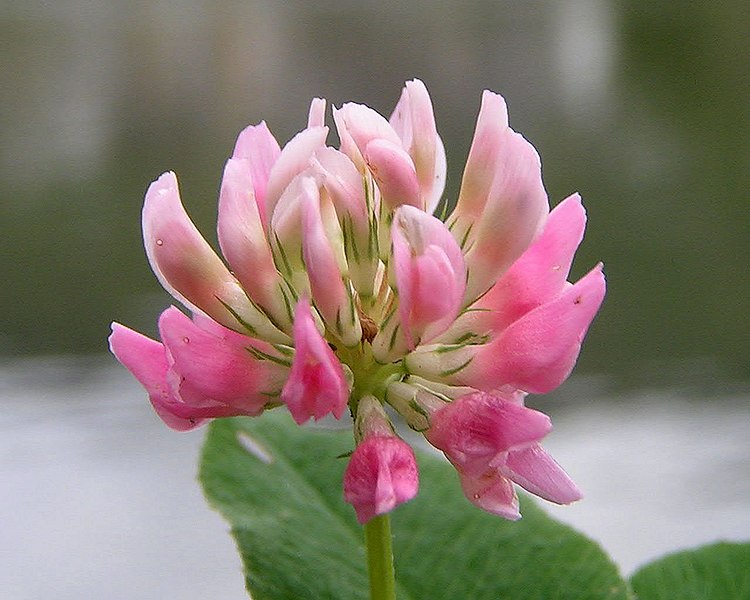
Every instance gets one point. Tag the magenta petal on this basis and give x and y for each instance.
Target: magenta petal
(381, 474)
(218, 372)
(474, 430)
(540, 273)
(538, 352)
(260, 149)
(492, 493)
(316, 385)
(537, 472)
(146, 360)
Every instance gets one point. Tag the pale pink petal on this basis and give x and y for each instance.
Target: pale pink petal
(513, 215)
(147, 361)
(257, 145)
(475, 430)
(243, 240)
(294, 158)
(430, 274)
(414, 122)
(479, 173)
(492, 493)
(317, 114)
(182, 260)
(537, 472)
(393, 171)
(538, 352)
(329, 292)
(381, 474)
(219, 371)
(540, 273)
(317, 385)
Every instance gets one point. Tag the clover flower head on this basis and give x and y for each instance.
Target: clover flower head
(340, 289)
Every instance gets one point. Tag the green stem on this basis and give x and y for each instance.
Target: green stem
(380, 558)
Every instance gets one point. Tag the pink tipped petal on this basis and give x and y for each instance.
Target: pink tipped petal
(514, 214)
(414, 122)
(257, 145)
(537, 472)
(430, 274)
(540, 273)
(538, 352)
(492, 493)
(294, 158)
(147, 361)
(326, 284)
(393, 171)
(316, 385)
(364, 125)
(182, 260)
(381, 474)
(492, 125)
(217, 369)
(317, 114)
(243, 240)
(477, 429)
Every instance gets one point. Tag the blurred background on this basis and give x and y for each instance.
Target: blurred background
(641, 106)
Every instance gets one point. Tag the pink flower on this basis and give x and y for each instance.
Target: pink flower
(340, 289)
(382, 471)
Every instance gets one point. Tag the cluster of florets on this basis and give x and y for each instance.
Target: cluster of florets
(346, 292)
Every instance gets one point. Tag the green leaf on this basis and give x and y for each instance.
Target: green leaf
(716, 572)
(299, 539)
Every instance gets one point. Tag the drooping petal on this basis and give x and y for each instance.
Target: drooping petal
(476, 430)
(537, 472)
(257, 145)
(430, 274)
(381, 474)
(513, 215)
(232, 373)
(147, 361)
(538, 351)
(317, 385)
(242, 237)
(492, 493)
(189, 269)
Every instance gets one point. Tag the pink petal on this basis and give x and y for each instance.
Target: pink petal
(430, 274)
(146, 360)
(492, 493)
(540, 273)
(513, 215)
(474, 430)
(538, 352)
(537, 472)
(381, 474)
(217, 369)
(243, 240)
(393, 170)
(257, 145)
(294, 158)
(414, 122)
(492, 125)
(317, 114)
(182, 260)
(328, 291)
(317, 385)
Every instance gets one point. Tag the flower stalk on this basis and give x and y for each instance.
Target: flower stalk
(380, 558)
